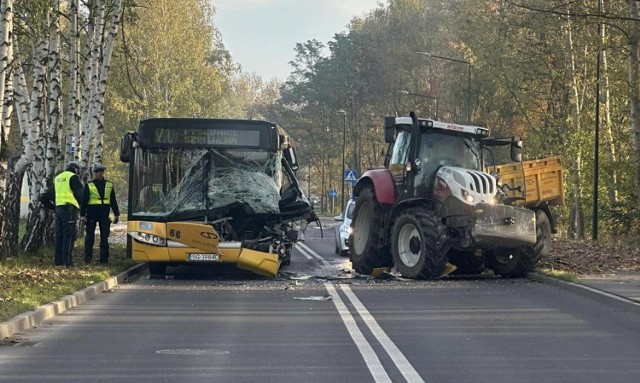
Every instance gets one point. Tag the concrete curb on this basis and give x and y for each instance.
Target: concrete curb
(35, 318)
(601, 296)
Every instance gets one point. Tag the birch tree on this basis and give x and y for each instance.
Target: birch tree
(634, 84)
(6, 57)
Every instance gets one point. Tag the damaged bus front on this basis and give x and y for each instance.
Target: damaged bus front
(210, 190)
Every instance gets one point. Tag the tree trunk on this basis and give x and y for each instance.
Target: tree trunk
(105, 60)
(609, 145)
(73, 116)
(11, 223)
(634, 92)
(577, 225)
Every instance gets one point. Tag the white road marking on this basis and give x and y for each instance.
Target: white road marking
(407, 370)
(308, 256)
(370, 358)
(304, 248)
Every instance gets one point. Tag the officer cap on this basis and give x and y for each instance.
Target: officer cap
(73, 166)
(98, 168)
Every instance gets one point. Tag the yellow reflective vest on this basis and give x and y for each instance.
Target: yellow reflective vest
(94, 195)
(62, 187)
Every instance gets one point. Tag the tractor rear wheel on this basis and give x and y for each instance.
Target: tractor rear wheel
(542, 248)
(509, 263)
(419, 244)
(366, 250)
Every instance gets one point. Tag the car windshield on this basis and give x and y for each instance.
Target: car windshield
(174, 181)
(350, 208)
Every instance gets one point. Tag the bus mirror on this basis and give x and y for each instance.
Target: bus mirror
(290, 156)
(126, 143)
(389, 130)
(516, 149)
(284, 141)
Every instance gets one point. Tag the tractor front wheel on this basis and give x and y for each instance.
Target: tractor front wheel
(419, 244)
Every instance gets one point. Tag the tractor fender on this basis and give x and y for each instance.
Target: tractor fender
(382, 185)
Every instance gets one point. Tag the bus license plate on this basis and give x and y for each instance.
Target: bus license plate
(202, 257)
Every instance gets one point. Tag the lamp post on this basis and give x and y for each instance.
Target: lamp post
(344, 145)
(435, 115)
(427, 54)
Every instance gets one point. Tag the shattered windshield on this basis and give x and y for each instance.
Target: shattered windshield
(176, 181)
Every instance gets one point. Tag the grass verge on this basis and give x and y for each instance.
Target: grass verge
(30, 280)
(559, 274)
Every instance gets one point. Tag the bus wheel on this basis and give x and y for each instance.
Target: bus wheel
(157, 270)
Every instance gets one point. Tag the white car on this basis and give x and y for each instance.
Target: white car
(343, 229)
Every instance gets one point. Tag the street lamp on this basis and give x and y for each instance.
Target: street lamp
(427, 54)
(344, 145)
(435, 99)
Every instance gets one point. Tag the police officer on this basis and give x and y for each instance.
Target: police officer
(68, 194)
(98, 199)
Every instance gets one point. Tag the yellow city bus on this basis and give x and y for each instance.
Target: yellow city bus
(212, 190)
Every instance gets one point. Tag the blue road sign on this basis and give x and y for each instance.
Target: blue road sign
(351, 175)
(333, 194)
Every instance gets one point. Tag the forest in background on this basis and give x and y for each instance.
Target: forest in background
(77, 74)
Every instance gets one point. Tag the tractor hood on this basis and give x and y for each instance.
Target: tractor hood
(470, 186)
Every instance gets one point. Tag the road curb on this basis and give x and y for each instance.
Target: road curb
(601, 296)
(35, 318)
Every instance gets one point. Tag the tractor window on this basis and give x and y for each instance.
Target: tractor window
(441, 149)
(400, 151)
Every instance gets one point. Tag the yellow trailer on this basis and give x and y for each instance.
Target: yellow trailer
(540, 180)
(535, 184)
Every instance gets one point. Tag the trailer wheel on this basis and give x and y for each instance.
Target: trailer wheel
(510, 263)
(365, 250)
(157, 270)
(419, 244)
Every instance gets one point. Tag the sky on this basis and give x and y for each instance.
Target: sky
(261, 34)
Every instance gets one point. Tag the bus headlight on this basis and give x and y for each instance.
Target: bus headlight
(150, 239)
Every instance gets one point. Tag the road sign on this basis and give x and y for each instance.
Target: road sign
(351, 175)
(333, 194)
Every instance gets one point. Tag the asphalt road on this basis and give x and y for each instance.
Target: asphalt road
(222, 325)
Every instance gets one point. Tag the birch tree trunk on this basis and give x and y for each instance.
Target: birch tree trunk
(609, 145)
(37, 218)
(18, 165)
(6, 56)
(89, 95)
(576, 223)
(73, 116)
(634, 92)
(98, 105)
(44, 165)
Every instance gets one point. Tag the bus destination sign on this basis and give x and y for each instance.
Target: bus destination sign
(207, 137)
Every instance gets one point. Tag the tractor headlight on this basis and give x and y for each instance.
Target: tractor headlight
(468, 197)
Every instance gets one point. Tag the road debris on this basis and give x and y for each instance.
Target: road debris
(321, 298)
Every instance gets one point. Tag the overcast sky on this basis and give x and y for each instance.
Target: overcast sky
(261, 34)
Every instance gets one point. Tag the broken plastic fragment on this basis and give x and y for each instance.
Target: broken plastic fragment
(321, 298)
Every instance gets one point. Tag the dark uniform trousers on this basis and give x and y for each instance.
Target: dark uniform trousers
(104, 223)
(65, 234)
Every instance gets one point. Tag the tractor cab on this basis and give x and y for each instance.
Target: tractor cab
(417, 153)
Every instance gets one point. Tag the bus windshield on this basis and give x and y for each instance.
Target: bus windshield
(185, 181)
